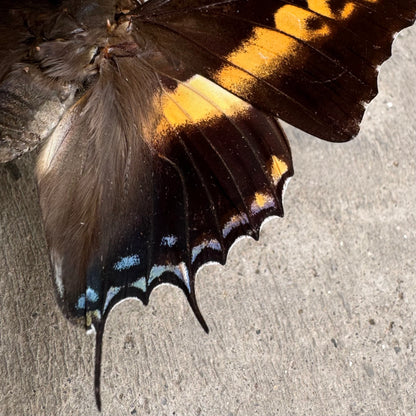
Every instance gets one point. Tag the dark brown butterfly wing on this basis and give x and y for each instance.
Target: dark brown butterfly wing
(147, 199)
(172, 150)
(312, 63)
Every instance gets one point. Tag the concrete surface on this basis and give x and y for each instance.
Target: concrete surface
(318, 318)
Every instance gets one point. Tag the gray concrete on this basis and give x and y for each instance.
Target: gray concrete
(318, 318)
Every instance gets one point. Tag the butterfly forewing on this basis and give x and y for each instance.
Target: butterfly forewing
(313, 63)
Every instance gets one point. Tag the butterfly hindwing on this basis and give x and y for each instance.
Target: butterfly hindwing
(153, 208)
(205, 192)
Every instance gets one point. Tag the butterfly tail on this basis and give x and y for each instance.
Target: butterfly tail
(98, 356)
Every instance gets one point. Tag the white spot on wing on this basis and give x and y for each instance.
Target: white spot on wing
(91, 330)
(184, 275)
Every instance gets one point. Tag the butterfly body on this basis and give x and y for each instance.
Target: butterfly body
(163, 144)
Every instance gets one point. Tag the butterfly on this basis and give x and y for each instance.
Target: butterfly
(160, 122)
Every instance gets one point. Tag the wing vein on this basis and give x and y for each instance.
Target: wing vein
(232, 177)
(271, 86)
(242, 134)
(197, 170)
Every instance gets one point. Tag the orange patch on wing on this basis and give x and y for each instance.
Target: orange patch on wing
(268, 50)
(261, 201)
(277, 169)
(195, 101)
(259, 56)
(294, 21)
(323, 8)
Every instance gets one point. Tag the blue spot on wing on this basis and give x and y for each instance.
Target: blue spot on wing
(81, 302)
(212, 244)
(92, 295)
(139, 284)
(180, 270)
(169, 240)
(127, 262)
(113, 291)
